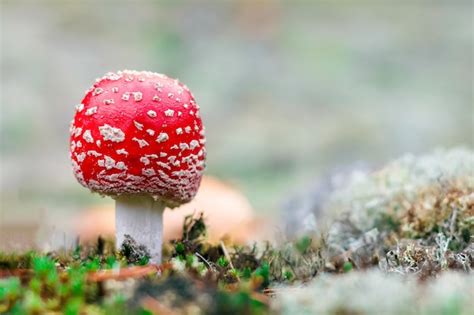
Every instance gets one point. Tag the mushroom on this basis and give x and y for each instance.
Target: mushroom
(138, 137)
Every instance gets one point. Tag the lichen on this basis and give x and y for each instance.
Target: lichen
(374, 292)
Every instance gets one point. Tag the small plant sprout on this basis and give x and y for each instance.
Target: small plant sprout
(138, 137)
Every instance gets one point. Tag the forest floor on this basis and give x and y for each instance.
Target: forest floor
(399, 241)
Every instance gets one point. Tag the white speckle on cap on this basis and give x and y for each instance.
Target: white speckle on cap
(109, 162)
(191, 113)
(151, 113)
(94, 153)
(137, 96)
(169, 113)
(187, 159)
(113, 177)
(138, 125)
(112, 76)
(91, 111)
(79, 107)
(151, 132)
(186, 106)
(179, 114)
(97, 91)
(187, 129)
(108, 102)
(71, 126)
(120, 166)
(81, 157)
(179, 131)
(179, 173)
(183, 146)
(111, 133)
(115, 89)
(174, 147)
(98, 143)
(79, 144)
(142, 143)
(163, 154)
(156, 98)
(77, 132)
(170, 95)
(148, 172)
(145, 160)
(162, 137)
(193, 144)
(88, 137)
(126, 96)
(122, 151)
(163, 165)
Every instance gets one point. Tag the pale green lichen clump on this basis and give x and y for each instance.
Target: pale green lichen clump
(423, 207)
(395, 188)
(405, 238)
(374, 292)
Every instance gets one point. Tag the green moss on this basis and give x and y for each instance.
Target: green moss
(347, 267)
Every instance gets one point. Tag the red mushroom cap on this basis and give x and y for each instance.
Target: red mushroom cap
(139, 133)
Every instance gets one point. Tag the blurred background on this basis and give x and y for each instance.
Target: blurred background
(288, 90)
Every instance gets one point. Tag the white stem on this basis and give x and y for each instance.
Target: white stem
(141, 217)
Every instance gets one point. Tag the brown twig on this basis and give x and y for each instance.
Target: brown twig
(126, 273)
(20, 273)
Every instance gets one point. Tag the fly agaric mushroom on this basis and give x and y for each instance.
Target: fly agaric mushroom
(138, 137)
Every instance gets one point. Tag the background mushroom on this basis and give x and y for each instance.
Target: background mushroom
(138, 137)
(239, 222)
